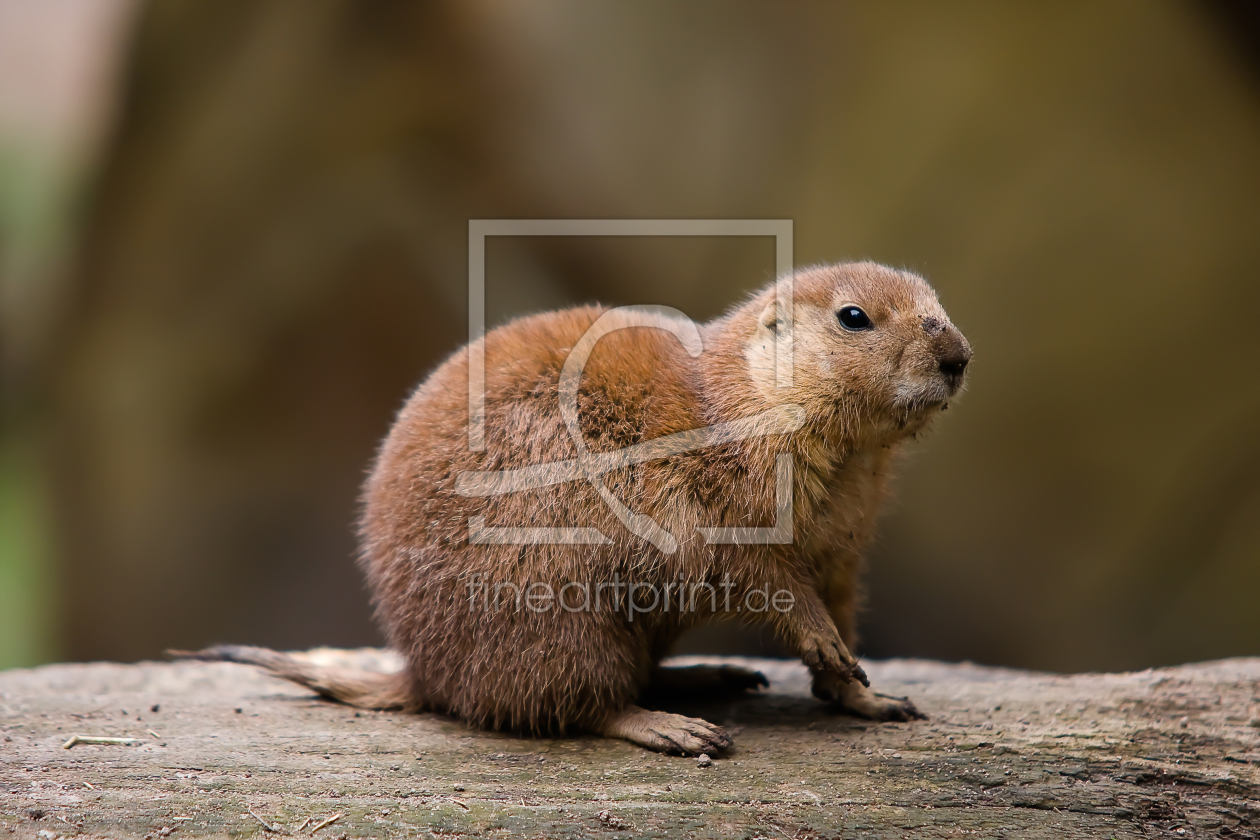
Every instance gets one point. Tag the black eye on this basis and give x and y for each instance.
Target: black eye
(853, 318)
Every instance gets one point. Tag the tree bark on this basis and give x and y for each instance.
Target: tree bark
(225, 750)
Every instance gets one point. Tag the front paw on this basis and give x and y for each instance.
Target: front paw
(828, 659)
(828, 686)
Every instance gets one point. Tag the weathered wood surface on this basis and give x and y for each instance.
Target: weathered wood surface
(1164, 753)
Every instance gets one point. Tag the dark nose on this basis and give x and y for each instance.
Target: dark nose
(954, 365)
(954, 353)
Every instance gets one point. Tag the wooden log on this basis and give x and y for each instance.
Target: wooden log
(227, 751)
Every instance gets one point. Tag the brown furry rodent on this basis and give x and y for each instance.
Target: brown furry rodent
(874, 359)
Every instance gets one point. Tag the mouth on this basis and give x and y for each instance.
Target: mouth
(921, 397)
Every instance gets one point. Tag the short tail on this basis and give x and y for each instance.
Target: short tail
(364, 689)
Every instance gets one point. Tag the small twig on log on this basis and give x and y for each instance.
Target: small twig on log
(266, 825)
(303, 826)
(326, 822)
(92, 739)
(154, 734)
(778, 828)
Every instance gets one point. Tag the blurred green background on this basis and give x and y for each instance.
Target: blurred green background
(233, 235)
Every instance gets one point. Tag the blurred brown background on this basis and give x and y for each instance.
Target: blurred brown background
(233, 235)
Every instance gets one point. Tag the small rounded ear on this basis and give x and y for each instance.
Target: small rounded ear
(770, 319)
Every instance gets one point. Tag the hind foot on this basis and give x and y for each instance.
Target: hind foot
(667, 733)
(856, 699)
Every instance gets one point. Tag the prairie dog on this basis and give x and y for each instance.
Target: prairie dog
(535, 585)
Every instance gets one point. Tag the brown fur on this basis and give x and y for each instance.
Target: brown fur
(863, 394)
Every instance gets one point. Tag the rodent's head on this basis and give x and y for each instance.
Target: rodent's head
(867, 341)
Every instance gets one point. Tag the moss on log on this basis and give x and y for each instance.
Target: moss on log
(226, 751)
